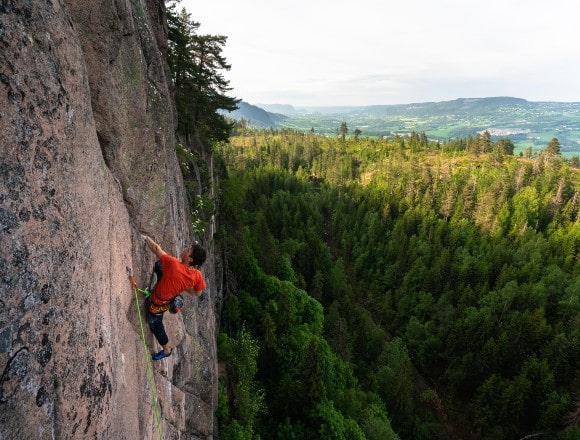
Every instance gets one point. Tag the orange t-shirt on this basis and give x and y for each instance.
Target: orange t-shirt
(176, 278)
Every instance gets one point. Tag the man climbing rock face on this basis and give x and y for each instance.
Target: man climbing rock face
(173, 277)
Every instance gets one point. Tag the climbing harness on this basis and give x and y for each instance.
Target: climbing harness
(156, 409)
(156, 306)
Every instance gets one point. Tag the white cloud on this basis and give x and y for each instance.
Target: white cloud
(327, 52)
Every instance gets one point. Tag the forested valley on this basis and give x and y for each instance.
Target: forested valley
(386, 289)
(381, 288)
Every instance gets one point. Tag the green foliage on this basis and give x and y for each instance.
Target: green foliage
(529, 125)
(196, 177)
(553, 147)
(235, 431)
(367, 269)
(222, 412)
(376, 424)
(240, 357)
(196, 63)
(332, 425)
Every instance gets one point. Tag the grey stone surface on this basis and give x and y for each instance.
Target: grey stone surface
(87, 164)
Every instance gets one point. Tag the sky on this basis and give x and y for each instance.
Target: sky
(369, 52)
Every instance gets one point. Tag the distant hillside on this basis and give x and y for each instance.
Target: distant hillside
(528, 124)
(460, 105)
(285, 109)
(257, 116)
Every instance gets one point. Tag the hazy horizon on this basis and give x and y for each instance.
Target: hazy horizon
(334, 53)
(258, 104)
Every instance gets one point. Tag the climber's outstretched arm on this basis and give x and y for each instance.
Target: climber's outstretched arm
(155, 248)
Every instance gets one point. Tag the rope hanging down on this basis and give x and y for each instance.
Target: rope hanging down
(156, 410)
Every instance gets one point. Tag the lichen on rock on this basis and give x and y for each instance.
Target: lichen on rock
(87, 164)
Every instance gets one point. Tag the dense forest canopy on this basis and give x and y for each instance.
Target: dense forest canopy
(383, 289)
(398, 289)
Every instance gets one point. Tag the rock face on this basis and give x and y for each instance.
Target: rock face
(88, 165)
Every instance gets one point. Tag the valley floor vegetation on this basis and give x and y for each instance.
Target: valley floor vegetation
(381, 289)
(397, 289)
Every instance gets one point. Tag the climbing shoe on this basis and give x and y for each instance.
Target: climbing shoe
(161, 355)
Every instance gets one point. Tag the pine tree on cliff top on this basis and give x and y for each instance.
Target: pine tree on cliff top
(196, 63)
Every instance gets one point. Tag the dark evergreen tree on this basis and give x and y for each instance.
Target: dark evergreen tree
(343, 130)
(505, 145)
(553, 147)
(196, 63)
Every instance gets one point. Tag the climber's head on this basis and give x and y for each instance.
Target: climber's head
(194, 255)
(198, 255)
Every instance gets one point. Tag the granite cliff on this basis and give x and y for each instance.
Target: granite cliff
(88, 165)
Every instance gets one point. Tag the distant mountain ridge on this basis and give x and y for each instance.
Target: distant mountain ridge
(527, 123)
(459, 104)
(266, 113)
(257, 117)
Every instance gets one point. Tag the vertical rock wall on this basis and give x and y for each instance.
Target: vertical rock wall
(87, 164)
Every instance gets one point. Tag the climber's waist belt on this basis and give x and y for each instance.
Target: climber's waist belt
(156, 306)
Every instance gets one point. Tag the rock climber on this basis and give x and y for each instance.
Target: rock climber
(173, 277)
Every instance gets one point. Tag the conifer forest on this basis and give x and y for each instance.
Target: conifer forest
(386, 289)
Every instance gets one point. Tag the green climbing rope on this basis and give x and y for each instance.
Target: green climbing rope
(156, 410)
